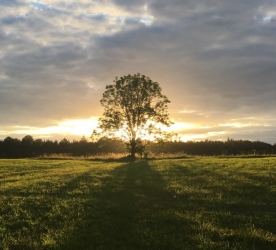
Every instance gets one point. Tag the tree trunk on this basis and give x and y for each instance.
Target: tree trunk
(133, 149)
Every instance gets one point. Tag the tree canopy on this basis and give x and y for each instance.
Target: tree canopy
(134, 109)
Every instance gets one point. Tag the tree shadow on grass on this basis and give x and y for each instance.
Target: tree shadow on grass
(130, 210)
(137, 206)
(239, 212)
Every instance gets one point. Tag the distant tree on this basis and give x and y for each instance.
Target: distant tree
(83, 146)
(64, 146)
(26, 144)
(28, 139)
(83, 139)
(134, 107)
(1, 148)
(37, 146)
(11, 148)
(38, 143)
(49, 147)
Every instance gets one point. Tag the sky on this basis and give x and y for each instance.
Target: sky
(215, 60)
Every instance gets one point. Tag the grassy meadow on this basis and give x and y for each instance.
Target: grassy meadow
(190, 203)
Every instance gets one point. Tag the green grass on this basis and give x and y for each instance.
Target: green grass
(192, 203)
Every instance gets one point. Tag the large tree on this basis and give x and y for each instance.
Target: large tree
(134, 109)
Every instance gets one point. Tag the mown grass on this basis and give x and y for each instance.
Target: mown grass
(193, 203)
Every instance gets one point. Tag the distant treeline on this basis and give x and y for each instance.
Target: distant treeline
(229, 147)
(28, 147)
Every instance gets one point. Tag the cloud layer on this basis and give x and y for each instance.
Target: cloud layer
(214, 59)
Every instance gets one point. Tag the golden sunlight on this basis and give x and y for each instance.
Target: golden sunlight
(176, 127)
(85, 127)
(67, 127)
(235, 124)
(199, 137)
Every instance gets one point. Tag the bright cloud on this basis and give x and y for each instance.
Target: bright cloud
(78, 127)
(237, 125)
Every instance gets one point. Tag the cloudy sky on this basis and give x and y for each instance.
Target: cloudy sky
(214, 59)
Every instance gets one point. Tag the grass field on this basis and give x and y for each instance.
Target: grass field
(192, 203)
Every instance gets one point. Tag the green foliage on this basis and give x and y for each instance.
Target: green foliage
(134, 105)
(192, 203)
